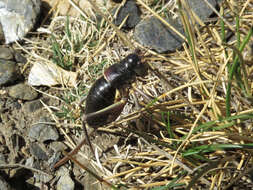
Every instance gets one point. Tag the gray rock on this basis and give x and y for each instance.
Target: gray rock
(33, 106)
(4, 185)
(58, 146)
(30, 162)
(201, 8)
(43, 132)
(23, 92)
(8, 72)
(65, 182)
(18, 17)
(155, 35)
(43, 177)
(37, 151)
(54, 159)
(19, 57)
(130, 8)
(2, 159)
(5, 53)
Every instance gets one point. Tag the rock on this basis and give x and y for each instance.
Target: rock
(30, 162)
(43, 177)
(49, 74)
(201, 8)
(8, 72)
(2, 159)
(34, 105)
(18, 17)
(54, 159)
(155, 35)
(4, 185)
(5, 53)
(65, 182)
(37, 151)
(58, 146)
(43, 132)
(19, 57)
(130, 8)
(23, 92)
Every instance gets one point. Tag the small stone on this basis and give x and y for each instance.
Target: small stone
(130, 8)
(43, 177)
(201, 9)
(65, 182)
(2, 159)
(5, 53)
(8, 72)
(58, 146)
(155, 35)
(30, 162)
(23, 92)
(34, 105)
(4, 185)
(43, 132)
(19, 58)
(37, 151)
(18, 17)
(54, 159)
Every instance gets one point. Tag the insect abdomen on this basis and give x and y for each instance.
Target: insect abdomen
(101, 95)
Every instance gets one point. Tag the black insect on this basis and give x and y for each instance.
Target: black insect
(102, 106)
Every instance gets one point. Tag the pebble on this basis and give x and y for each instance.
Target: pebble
(155, 35)
(65, 182)
(130, 8)
(4, 185)
(30, 162)
(40, 177)
(22, 91)
(54, 159)
(43, 177)
(8, 72)
(43, 132)
(19, 58)
(18, 17)
(2, 159)
(201, 8)
(5, 53)
(37, 151)
(34, 105)
(57, 146)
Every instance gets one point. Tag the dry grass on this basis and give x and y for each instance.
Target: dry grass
(195, 131)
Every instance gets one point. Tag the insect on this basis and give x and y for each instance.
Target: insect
(101, 107)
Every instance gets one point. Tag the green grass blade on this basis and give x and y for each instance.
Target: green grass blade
(232, 71)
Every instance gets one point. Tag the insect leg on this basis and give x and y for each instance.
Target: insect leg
(114, 109)
(118, 106)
